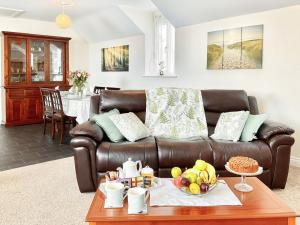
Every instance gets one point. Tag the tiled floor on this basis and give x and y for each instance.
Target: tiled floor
(26, 145)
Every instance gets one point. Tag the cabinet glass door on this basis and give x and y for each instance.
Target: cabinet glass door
(56, 61)
(37, 60)
(17, 60)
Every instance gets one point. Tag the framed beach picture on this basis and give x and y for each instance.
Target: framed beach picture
(115, 59)
(238, 48)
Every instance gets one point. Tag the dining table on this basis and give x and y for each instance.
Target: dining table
(76, 106)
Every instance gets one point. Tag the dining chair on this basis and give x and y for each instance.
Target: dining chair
(48, 110)
(98, 89)
(113, 88)
(59, 116)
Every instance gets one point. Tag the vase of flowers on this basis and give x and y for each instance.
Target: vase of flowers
(78, 79)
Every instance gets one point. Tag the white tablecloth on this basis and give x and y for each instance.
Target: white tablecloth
(77, 106)
(166, 194)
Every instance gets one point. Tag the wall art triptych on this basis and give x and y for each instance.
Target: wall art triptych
(239, 48)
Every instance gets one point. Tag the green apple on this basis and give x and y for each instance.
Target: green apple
(176, 172)
(192, 177)
(200, 165)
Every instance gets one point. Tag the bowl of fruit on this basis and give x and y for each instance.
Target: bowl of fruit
(198, 180)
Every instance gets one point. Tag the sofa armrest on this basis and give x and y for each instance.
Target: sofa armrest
(269, 129)
(85, 163)
(88, 129)
(280, 146)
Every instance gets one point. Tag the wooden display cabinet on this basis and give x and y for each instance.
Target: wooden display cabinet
(32, 61)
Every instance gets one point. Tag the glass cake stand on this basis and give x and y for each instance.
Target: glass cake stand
(243, 186)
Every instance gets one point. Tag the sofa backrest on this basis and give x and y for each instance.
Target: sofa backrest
(215, 103)
(219, 101)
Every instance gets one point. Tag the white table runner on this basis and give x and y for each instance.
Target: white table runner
(166, 194)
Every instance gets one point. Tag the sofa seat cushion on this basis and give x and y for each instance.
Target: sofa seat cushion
(182, 152)
(110, 155)
(224, 150)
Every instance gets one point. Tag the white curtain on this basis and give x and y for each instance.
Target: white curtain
(164, 42)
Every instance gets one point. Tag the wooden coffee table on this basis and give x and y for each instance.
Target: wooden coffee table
(260, 207)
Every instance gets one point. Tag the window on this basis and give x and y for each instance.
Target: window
(164, 43)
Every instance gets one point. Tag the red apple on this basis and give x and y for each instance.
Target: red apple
(177, 182)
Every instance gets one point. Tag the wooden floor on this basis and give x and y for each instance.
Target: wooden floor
(26, 145)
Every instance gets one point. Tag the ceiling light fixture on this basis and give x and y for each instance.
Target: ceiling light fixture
(62, 20)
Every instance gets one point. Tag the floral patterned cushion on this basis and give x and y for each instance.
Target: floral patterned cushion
(230, 125)
(175, 113)
(130, 126)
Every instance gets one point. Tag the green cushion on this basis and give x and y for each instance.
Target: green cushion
(251, 127)
(108, 126)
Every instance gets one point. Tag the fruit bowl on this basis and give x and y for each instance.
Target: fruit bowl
(198, 180)
(187, 191)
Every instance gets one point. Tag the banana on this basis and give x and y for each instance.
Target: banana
(204, 176)
(199, 181)
(211, 172)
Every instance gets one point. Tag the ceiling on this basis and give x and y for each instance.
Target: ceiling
(48, 9)
(103, 26)
(188, 12)
(99, 20)
(93, 20)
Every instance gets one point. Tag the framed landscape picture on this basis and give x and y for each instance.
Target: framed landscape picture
(115, 59)
(238, 48)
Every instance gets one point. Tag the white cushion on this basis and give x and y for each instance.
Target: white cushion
(230, 125)
(130, 126)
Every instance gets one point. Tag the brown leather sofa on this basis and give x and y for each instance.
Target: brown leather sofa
(95, 154)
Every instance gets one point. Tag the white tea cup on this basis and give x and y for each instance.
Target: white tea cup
(137, 198)
(114, 193)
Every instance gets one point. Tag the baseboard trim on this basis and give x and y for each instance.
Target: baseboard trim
(295, 161)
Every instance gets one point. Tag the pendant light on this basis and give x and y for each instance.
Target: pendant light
(62, 20)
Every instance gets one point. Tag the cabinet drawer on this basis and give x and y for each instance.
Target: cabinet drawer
(15, 93)
(32, 93)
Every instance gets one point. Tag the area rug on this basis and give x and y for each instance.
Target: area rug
(47, 194)
(44, 194)
(291, 193)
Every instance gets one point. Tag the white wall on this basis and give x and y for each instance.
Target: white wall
(131, 79)
(144, 20)
(276, 86)
(78, 52)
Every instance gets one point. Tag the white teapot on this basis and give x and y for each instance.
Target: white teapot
(130, 169)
